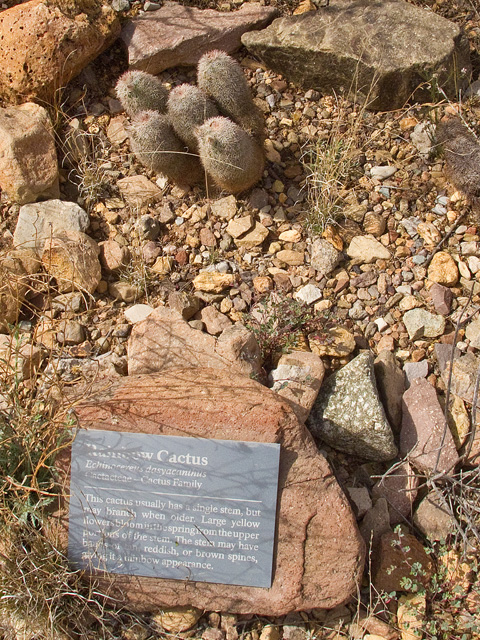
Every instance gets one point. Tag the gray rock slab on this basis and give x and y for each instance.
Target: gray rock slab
(41, 220)
(372, 48)
(178, 35)
(425, 438)
(348, 414)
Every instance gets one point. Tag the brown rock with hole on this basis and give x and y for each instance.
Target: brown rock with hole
(318, 556)
(44, 48)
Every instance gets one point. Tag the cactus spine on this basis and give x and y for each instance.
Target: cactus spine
(188, 107)
(156, 145)
(222, 78)
(139, 91)
(232, 158)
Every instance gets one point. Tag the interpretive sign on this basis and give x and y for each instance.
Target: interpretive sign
(173, 507)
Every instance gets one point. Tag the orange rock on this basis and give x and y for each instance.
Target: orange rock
(43, 48)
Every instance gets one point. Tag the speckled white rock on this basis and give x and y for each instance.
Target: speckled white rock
(324, 256)
(348, 414)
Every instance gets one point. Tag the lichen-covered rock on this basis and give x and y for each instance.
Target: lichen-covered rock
(348, 414)
(28, 159)
(381, 51)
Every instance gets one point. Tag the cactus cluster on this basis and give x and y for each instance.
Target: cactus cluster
(212, 131)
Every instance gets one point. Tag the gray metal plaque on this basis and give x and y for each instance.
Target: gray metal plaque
(173, 507)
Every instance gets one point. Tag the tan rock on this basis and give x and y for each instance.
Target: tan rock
(71, 258)
(225, 208)
(19, 357)
(292, 235)
(162, 265)
(270, 632)
(238, 345)
(429, 232)
(293, 258)
(28, 159)
(262, 284)
(123, 291)
(13, 287)
(253, 238)
(177, 619)
(138, 191)
(298, 377)
(443, 269)
(238, 226)
(44, 48)
(410, 616)
(116, 131)
(367, 249)
(318, 557)
(213, 282)
(113, 256)
(374, 224)
(215, 322)
(334, 341)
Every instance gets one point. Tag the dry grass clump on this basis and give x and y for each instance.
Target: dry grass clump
(332, 166)
(41, 596)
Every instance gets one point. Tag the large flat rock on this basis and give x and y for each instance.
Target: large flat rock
(177, 35)
(318, 556)
(381, 50)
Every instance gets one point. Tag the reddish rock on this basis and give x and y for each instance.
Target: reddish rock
(318, 560)
(28, 159)
(207, 237)
(424, 430)
(215, 322)
(113, 256)
(442, 298)
(399, 488)
(178, 35)
(393, 563)
(165, 341)
(43, 48)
